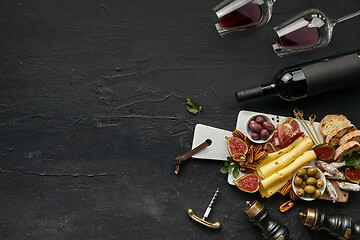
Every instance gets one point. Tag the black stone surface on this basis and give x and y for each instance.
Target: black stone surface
(98, 88)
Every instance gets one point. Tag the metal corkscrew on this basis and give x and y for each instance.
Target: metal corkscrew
(206, 214)
(271, 228)
(342, 227)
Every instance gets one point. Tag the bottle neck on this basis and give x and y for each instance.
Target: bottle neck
(260, 91)
(269, 89)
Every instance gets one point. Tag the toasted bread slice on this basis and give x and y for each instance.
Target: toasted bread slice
(347, 148)
(331, 122)
(351, 136)
(335, 135)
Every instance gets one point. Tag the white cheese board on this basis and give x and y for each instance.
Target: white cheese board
(218, 149)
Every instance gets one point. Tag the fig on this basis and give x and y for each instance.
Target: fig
(236, 146)
(353, 174)
(324, 151)
(249, 183)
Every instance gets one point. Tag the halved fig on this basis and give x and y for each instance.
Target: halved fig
(249, 183)
(324, 151)
(236, 146)
(353, 174)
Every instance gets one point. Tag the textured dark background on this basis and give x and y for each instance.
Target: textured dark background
(99, 87)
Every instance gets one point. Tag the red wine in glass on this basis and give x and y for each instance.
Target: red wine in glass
(246, 16)
(309, 30)
(304, 37)
(242, 15)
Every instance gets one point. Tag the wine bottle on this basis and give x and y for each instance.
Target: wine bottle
(309, 79)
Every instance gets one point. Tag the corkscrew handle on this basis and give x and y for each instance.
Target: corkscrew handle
(202, 221)
(331, 74)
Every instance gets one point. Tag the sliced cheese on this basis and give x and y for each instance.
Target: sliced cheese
(272, 156)
(274, 183)
(286, 159)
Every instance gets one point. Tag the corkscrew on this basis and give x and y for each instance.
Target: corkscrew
(342, 227)
(206, 214)
(271, 228)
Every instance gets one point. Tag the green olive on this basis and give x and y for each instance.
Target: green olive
(300, 192)
(303, 184)
(298, 180)
(311, 181)
(301, 172)
(309, 189)
(319, 183)
(317, 193)
(305, 177)
(312, 171)
(317, 176)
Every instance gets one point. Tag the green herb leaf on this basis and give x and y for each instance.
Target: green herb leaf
(235, 172)
(192, 106)
(231, 167)
(223, 170)
(352, 160)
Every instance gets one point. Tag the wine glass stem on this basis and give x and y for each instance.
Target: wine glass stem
(347, 17)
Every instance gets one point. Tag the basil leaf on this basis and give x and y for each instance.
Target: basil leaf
(352, 160)
(230, 159)
(192, 106)
(223, 170)
(191, 110)
(235, 172)
(230, 168)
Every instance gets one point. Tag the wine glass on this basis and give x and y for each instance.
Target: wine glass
(240, 15)
(309, 30)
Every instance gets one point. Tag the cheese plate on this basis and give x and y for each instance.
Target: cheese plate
(218, 149)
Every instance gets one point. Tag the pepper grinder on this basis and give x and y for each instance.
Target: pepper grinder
(271, 228)
(342, 227)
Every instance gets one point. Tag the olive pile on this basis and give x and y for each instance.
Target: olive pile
(260, 128)
(309, 182)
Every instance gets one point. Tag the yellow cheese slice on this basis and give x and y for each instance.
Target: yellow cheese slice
(272, 156)
(276, 181)
(286, 159)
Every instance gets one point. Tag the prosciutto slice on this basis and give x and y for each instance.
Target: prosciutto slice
(286, 132)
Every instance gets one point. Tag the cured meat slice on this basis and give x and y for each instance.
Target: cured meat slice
(273, 144)
(288, 131)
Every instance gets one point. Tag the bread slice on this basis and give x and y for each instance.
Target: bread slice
(335, 135)
(331, 122)
(351, 136)
(347, 148)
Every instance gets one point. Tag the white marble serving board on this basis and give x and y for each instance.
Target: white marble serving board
(218, 149)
